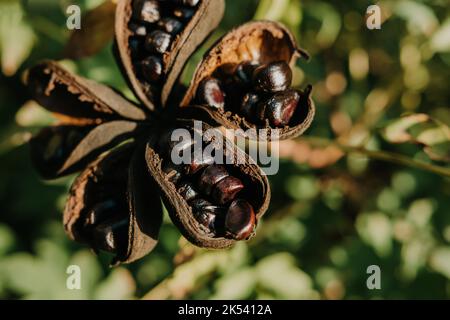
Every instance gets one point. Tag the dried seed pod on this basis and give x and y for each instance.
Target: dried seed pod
(75, 97)
(122, 227)
(273, 77)
(204, 17)
(259, 42)
(240, 220)
(194, 224)
(61, 150)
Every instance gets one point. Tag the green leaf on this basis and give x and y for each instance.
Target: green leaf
(16, 37)
(421, 129)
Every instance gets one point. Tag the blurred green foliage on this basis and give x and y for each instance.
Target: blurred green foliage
(337, 208)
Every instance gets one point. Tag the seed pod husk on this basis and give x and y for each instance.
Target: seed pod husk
(257, 190)
(77, 98)
(259, 42)
(120, 175)
(206, 17)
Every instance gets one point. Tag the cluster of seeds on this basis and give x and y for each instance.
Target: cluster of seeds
(259, 93)
(213, 193)
(155, 24)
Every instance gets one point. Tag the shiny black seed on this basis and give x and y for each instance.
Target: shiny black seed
(226, 190)
(100, 212)
(137, 29)
(170, 25)
(210, 93)
(273, 77)
(152, 69)
(244, 72)
(187, 191)
(210, 176)
(158, 41)
(147, 10)
(281, 107)
(240, 220)
(249, 105)
(111, 234)
(184, 13)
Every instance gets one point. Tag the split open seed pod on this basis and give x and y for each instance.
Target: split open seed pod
(260, 42)
(256, 187)
(114, 207)
(92, 119)
(206, 16)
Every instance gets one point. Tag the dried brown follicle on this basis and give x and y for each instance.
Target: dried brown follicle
(258, 42)
(93, 118)
(207, 16)
(256, 191)
(112, 207)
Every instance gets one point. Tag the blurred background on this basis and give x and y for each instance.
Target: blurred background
(368, 184)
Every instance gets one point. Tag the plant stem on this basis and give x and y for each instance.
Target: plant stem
(381, 155)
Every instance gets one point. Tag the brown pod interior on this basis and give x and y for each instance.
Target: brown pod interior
(260, 42)
(108, 196)
(207, 16)
(256, 191)
(77, 99)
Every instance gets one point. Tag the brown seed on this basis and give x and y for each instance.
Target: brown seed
(226, 190)
(240, 220)
(199, 163)
(210, 176)
(273, 77)
(158, 41)
(210, 93)
(152, 69)
(281, 107)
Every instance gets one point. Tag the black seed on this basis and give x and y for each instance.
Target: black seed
(111, 235)
(210, 176)
(244, 72)
(281, 107)
(249, 105)
(226, 190)
(100, 212)
(137, 29)
(184, 13)
(147, 10)
(152, 69)
(240, 220)
(187, 191)
(273, 77)
(158, 41)
(170, 25)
